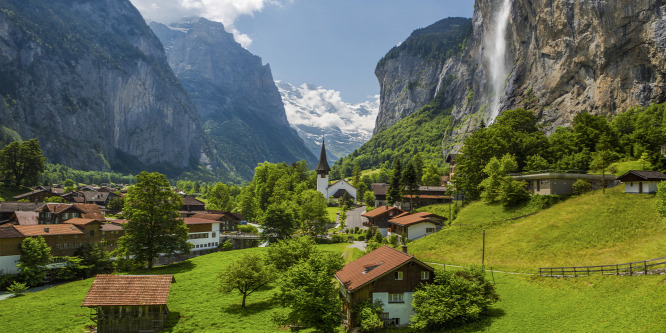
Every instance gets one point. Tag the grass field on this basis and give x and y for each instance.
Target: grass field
(195, 302)
(593, 229)
(332, 213)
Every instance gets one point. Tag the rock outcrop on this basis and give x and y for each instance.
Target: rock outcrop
(235, 94)
(91, 81)
(562, 57)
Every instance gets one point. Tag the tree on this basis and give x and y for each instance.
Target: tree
(69, 183)
(313, 213)
(246, 275)
(536, 163)
(361, 190)
(431, 176)
(54, 199)
(286, 253)
(309, 293)
(116, 204)
(601, 159)
(394, 191)
(154, 226)
(456, 297)
(581, 186)
(279, 220)
(21, 163)
(35, 255)
(644, 161)
(661, 195)
(219, 197)
(368, 315)
(95, 259)
(369, 199)
(410, 182)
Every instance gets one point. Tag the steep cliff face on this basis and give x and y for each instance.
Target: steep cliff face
(238, 100)
(557, 58)
(90, 80)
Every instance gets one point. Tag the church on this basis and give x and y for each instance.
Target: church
(336, 190)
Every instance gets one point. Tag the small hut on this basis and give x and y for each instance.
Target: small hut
(129, 303)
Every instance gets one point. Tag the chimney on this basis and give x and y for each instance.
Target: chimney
(404, 248)
(46, 229)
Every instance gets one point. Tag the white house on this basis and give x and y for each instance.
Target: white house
(415, 226)
(203, 234)
(636, 181)
(384, 274)
(335, 190)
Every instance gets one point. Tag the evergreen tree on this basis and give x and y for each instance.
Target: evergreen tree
(35, 255)
(431, 176)
(410, 183)
(394, 192)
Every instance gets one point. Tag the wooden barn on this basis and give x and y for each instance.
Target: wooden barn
(129, 303)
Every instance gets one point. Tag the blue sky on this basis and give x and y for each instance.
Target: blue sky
(331, 43)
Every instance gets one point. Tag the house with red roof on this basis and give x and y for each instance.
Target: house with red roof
(384, 274)
(129, 303)
(378, 218)
(415, 226)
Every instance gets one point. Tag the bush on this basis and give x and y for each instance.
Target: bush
(227, 245)
(360, 238)
(393, 240)
(512, 193)
(18, 288)
(367, 315)
(6, 280)
(248, 229)
(581, 186)
(544, 201)
(456, 297)
(337, 238)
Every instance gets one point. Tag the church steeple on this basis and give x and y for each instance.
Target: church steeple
(322, 167)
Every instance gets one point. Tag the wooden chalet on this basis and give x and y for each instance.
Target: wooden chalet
(636, 181)
(415, 226)
(191, 204)
(129, 303)
(451, 159)
(426, 195)
(378, 218)
(387, 275)
(379, 190)
(37, 195)
(7, 209)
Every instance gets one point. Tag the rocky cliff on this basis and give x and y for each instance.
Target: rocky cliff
(555, 57)
(235, 94)
(90, 80)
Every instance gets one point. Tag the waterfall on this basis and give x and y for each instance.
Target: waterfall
(495, 53)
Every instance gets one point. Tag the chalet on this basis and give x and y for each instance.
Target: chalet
(74, 197)
(191, 204)
(10, 248)
(338, 188)
(129, 303)
(387, 275)
(98, 198)
(451, 159)
(203, 234)
(379, 190)
(87, 188)
(427, 195)
(228, 221)
(640, 182)
(415, 226)
(7, 209)
(560, 182)
(53, 213)
(378, 218)
(36, 196)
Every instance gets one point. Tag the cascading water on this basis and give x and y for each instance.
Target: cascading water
(496, 56)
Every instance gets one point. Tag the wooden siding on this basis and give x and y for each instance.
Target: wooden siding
(10, 246)
(206, 227)
(122, 319)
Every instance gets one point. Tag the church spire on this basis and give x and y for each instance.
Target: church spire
(323, 167)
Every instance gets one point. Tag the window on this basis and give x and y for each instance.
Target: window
(398, 275)
(425, 275)
(92, 233)
(396, 298)
(213, 235)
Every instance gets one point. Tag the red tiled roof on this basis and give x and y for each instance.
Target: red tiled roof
(53, 229)
(56, 207)
(129, 290)
(26, 218)
(414, 218)
(81, 221)
(211, 217)
(90, 211)
(381, 210)
(372, 266)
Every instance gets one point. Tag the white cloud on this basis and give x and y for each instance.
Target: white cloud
(225, 11)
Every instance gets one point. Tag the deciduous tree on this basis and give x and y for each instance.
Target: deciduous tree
(313, 213)
(246, 275)
(21, 163)
(154, 226)
(35, 255)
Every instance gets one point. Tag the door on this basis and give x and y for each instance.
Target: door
(640, 187)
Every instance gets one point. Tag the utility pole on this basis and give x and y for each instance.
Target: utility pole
(483, 249)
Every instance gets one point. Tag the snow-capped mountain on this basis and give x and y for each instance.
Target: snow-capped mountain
(316, 112)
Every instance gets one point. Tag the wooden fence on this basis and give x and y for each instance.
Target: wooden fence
(632, 268)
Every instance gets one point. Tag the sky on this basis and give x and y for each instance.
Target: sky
(335, 44)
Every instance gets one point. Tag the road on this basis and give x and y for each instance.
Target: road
(354, 218)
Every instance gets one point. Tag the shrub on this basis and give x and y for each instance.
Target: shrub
(227, 245)
(393, 240)
(581, 186)
(367, 315)
(248, 229)
(512, 193)
(360, 238)
(337, 238)
(18, 288)
(456, 297)
(544, 201)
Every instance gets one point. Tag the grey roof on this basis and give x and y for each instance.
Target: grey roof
(646, 175)
(25, 195)
(26, 218)
(96, 196)
(8, 207)
(322, 166)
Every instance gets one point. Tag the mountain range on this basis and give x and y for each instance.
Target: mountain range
(316, 113)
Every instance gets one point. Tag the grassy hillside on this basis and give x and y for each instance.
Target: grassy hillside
(593, 229)
(7, 193)
(196, 304)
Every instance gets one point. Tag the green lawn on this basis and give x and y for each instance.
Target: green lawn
(332, 213)
(593, 229)
(195, 302)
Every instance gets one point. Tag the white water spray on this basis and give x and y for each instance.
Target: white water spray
(496, 56)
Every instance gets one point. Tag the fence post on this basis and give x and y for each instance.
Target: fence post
(617, 269)
(645, 267)
(551, 271)
(631, 270)
(574, 272)
(588, 271)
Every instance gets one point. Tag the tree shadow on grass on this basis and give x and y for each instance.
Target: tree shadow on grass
(179, 267)
(483, 323)
(250, 308)
(172, 321)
